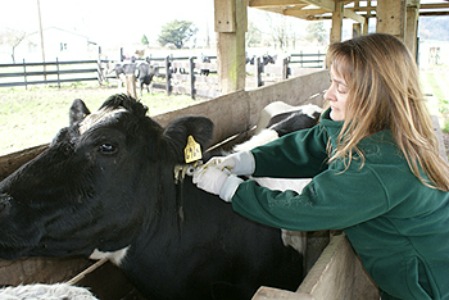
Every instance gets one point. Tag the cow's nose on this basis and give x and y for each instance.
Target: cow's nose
(5, 203)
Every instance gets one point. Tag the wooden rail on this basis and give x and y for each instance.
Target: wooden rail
(177, 75)
(56, 72)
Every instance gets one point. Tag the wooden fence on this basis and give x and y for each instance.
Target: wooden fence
(177, 75)
(56, 72)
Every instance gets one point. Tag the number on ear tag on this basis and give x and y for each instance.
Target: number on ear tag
(192, 151)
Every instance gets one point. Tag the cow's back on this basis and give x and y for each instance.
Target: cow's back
(211, 249)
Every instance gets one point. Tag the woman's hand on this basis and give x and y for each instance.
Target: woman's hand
(217, 181)
(239, 163)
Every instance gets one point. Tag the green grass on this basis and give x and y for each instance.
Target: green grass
(435, 82)
(33, 116)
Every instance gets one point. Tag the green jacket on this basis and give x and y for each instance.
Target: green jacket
(398, 226)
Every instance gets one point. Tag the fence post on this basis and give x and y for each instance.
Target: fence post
(192, 77)
(259, 70)
(57, 72)
(168, 71)
(25, 74)
(100, 74)
(285, 68)
(131, 85)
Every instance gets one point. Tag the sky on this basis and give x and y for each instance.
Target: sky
(104, 21)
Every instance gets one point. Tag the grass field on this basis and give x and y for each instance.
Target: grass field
(33, 116)
(435, 81)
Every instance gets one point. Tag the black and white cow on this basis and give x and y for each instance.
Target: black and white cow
(122, 70)
(105, 187)
(145, 73)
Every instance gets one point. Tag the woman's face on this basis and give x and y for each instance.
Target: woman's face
(337, 94)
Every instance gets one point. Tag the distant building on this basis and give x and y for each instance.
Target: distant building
(59, 43)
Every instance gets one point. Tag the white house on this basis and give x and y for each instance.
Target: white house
(59, 43)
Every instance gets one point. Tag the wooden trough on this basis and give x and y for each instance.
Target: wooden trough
(335, 273)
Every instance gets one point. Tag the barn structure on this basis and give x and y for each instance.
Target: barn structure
(396, 17)
(335, 272)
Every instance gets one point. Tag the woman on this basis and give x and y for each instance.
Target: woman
(377, 174)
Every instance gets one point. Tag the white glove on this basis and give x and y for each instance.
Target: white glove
(239, 163)
(216, 181)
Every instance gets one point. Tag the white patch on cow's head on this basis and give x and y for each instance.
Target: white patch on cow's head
(116, 257)
(265, 136)
(100, 116)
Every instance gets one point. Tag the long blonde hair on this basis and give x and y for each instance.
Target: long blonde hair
(385, 93)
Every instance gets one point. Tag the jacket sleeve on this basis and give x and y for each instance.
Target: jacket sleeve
(333, 200)
(301, 154)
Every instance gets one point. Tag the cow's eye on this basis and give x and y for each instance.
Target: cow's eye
(107, 148)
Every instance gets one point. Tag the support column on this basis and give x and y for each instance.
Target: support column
(356, 29)
(231, 25)
(411, 31)
(391, 17)
(337, 22)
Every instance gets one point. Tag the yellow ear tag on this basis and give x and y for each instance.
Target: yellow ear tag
(192, 151)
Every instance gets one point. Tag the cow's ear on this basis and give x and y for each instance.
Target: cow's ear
(178, 131)
(78, 111)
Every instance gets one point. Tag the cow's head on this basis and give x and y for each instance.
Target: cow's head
(99, 181)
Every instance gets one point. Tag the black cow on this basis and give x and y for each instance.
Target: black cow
(268, 59)
(145, 73)
(205, 59)
(105, 187)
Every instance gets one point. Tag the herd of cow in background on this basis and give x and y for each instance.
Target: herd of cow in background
(145, 71)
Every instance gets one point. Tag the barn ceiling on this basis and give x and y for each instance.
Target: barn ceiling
(356, 10)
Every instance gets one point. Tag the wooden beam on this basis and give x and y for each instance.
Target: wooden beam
(297, 10)
(411, 31)
(325, 4)
(224, 16)
(304, 13)
(351, 14)
(231, 44)
(391, 17)
(271, 3)
(337, 22)
(435, 6)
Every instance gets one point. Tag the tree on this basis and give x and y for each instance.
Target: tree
(12, 38)
(316, 32)
(177, 33)
(253, 36)
(145, 41)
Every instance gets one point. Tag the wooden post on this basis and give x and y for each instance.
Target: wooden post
(131, 85)
(168, 72)
(258, 64)
(337, 22)
(192, 77)
(356, 29)
(231, 25)
(412, 25)
(25, 74)
(391, 17)
(285, 68)
(57, 73)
